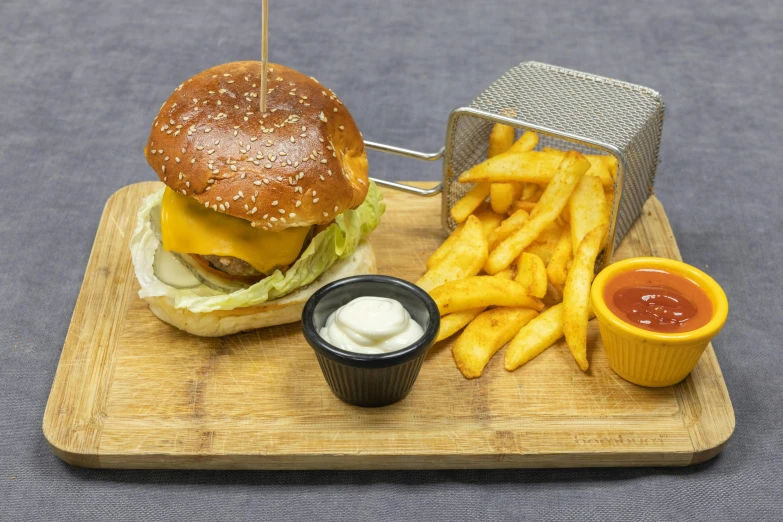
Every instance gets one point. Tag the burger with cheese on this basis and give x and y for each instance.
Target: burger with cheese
(259, 210)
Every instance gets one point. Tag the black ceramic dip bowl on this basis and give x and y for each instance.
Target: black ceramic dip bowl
(370, 379)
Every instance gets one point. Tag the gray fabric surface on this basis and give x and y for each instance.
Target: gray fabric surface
(80, 83)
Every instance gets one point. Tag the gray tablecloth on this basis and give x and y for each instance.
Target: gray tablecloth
(80, 83)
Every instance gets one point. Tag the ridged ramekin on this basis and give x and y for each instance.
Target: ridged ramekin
(370, 379)
(651, 358)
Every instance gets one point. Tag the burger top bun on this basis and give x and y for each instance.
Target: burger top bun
(300, 163)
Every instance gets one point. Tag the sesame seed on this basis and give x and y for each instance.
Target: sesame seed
(235, 198)
(274, 203)
(315, 200)
(268, 165)
(281, 211)
(273, 219)
(210, 151)
(326, 213)
(242, 175)
(180, 176)
(298, 203)
(256, 182)
(292, 215)
(184, 192)
(207, 129)
(266, 181)
(206, 204)
(335, 109)
(163, 168)
(254, 210)
(187, 184)
(293, 140)
(192, 160)
(222, 206)
(235, 133)
(323, 160)
(341, 127)
(265, 216)
(166, 158)
(234, 168)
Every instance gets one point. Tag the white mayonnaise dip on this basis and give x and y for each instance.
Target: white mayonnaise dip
(371, 325)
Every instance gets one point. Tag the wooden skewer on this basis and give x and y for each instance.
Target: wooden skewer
(264, 51)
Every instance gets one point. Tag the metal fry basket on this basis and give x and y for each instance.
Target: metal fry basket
(569, 110)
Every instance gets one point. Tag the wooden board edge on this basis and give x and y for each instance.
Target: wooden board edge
(325, 461)
(65, 442)
(708, 413)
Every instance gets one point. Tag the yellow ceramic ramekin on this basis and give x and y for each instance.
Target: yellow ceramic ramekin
(651, 358)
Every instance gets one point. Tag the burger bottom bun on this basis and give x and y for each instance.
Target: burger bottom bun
(287, 309)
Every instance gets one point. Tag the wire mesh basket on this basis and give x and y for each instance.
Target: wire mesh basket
(569, 110)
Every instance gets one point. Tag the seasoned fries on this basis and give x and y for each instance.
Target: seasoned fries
(489, 220)
(588, 209)
(539, 235)
(482, 291)
(503, 195)
(535, 337)
(531, 274)
(507, 227)
(486, 335)
(470, 202)
(501, 138)
(557, 269)
(576, 296)
(552, 201)
(453, 323)
(464, 259)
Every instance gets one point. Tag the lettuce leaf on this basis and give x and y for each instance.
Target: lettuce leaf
(338, 241)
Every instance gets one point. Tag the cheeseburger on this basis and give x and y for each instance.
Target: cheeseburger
(259, 210)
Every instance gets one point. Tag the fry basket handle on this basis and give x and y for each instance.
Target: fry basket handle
(407, 153)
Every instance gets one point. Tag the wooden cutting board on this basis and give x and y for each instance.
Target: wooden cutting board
(133, 392)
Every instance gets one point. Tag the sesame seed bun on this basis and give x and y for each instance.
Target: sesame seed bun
(300, 163)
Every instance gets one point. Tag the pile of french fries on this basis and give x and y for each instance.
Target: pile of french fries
(518, 268)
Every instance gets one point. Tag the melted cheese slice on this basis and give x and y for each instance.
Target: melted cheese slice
(190, 228)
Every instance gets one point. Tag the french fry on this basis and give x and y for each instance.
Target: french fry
(502, 195)
(531, 274)
(465, 258)
(480, 292)
(545, 244)
(528, 167)
(508, 273)
(527, 141)
(489, 220)
(601, 166)
(470, 202)
(507, 227)
(443, 250)
(535, 337)
(453, 323)
(588, 209)
(515, 167)
(485, 335)
(548, 208)
(576, 296)
(501, 138)
(557, 269)
(531, 192)
(521, 204)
